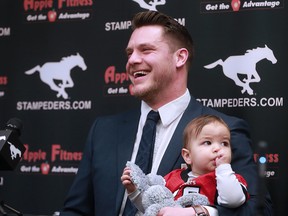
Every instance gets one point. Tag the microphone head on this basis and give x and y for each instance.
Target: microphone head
(15, 124)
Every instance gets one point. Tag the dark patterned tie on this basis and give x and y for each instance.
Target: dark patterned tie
(144, 157)
(146, 147)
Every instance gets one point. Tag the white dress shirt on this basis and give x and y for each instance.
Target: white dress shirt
(170, 115)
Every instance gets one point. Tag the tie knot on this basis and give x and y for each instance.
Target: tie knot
(154, 116)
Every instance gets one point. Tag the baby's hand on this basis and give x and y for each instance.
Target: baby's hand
(222, 159)
(126, 180)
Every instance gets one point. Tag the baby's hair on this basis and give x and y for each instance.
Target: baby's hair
(196, 125)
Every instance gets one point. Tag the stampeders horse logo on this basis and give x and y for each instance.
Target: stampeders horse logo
(151, 5)
(51, 71)
(13, 150)
(244, 64)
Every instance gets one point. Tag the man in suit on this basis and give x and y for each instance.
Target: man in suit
(159, 52)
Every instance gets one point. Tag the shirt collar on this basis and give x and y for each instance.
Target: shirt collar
(170, 111)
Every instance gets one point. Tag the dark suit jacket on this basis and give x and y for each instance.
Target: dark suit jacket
(97, 189)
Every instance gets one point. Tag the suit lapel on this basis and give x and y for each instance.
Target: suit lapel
(172, 157)
(127, 129)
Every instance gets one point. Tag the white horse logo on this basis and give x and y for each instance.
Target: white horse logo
(244, 64)
(14, 151)
(151, 5)
(51, 71)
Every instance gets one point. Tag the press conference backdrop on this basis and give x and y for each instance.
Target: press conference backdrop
(62, 64)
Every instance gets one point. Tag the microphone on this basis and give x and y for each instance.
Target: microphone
(11, 149)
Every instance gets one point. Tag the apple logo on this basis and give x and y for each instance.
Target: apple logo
(235, 5)
(45, 168)
(52, 15)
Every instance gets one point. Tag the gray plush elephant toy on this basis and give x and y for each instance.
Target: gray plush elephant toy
(156, 196)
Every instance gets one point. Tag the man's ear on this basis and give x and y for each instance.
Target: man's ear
(181, 57)
(186, 156)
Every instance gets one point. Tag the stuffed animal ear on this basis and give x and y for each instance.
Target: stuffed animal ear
(157, 194)
(153, 210)
(192, 199)
(154, 179)
(157, 197)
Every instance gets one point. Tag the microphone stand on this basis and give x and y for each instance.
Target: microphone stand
(3, 206)
(262, 162)
(2, 211)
